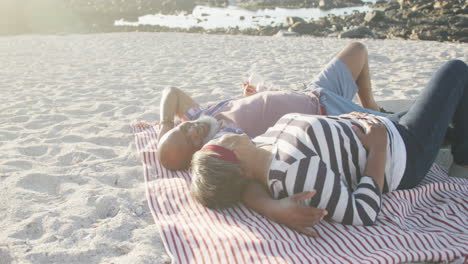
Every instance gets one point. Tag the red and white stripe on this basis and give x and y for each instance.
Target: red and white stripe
(428, 223)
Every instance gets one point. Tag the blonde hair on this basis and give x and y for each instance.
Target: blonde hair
(216, 183)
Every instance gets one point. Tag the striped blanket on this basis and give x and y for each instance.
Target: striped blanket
(428, 223)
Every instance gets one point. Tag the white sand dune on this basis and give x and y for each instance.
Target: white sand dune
(71, 183)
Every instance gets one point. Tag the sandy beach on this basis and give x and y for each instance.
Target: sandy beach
(71, 181)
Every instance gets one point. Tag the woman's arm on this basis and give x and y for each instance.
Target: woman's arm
(360, 206)
(375, 141)
(290, 211)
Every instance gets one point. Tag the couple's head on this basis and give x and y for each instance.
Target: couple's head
(176, 147)
(217, 182)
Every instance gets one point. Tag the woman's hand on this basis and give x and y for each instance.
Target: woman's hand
(375, 135)
(292, 212)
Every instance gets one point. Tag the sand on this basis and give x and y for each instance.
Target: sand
(71, 182)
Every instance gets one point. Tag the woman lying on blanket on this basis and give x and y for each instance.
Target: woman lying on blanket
(349, 160)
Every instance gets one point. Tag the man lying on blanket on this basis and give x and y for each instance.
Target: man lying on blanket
(330, 93)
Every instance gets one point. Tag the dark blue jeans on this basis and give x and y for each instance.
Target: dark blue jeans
(443, 101)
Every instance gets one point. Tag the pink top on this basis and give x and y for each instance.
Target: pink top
(256, 113)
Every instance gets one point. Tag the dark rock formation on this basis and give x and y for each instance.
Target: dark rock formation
(439, 20)
(311, 28)
(324, 4)
(374, 17)
(359, 32)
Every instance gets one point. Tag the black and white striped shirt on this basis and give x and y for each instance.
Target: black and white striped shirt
(324, 154)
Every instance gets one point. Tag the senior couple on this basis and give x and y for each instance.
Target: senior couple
(307, 160)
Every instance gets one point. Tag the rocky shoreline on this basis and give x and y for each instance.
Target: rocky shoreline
(323, 4)
(435, 20)
(440, 20)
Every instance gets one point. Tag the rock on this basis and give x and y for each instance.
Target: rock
(292, 20)
(428, 34)
(374, 16)
(359, 32)
(460, 33)
(461, 21)
(138, 211)
(307, 28)
(325, 21)
(196, 30)
(285, 33)
(441, 4)
(336, 28)
(428, 6)
(392, 13)
(268, 31)
(324, 4)
(402, 3)
(414, 14)
(233, 31)
(398, 33)
(391, 6)
(463, 40)
(242, 18)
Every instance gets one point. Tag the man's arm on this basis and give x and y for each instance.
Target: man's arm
(173, 102)
(289, 211)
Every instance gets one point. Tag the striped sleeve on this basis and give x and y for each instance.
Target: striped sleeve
(365, 203)
(360, 206)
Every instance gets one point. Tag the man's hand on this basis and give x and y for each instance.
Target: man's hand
(164, 129)
(292, 212)
(174, 102)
